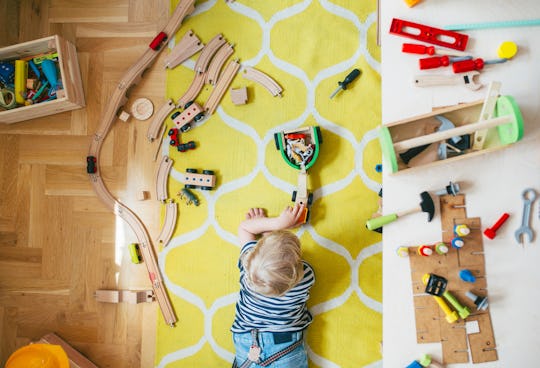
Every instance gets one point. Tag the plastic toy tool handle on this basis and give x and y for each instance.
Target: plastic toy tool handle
(380, 221)
(349, 78)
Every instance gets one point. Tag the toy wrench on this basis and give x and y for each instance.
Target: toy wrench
(529, 195)
(466, 79)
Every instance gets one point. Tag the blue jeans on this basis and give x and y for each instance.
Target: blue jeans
(295, 359)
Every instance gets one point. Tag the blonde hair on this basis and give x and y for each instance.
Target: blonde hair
(274, 266)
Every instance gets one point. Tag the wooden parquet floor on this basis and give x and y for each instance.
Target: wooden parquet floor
(58, 242)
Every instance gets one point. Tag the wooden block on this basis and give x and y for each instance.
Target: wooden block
(239, 96)
(76, 359)
(143, 195)
(124, 116)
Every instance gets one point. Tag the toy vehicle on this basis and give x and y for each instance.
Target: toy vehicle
(174, 141)
(135, 253)
(300, 149)
(204, 181)
(192, 112)
(91, 167)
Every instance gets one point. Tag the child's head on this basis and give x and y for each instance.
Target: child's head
(274, 266)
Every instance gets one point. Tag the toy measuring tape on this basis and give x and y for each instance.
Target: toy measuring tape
(116, 101)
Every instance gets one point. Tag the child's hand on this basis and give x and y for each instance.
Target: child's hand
(255, 213)
(290, 217)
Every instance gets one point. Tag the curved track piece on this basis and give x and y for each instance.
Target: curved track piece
(208, 52)
(161, 178)
(221, 87)
(159, 118)
(193, 90)
(263, 79)
(171, 213)
(217, 63)
(188, 46)
(118, 98)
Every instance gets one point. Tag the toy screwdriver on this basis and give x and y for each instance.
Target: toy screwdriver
(348, 79)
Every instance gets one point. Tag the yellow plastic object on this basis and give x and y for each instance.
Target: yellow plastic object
(38, 356)
(411, 3)
(21, 74)
(507, 50)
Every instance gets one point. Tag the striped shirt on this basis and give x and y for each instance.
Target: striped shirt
(285, 313)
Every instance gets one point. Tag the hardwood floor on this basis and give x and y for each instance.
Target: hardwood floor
(58, 242)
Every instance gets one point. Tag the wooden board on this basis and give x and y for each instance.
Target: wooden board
(431, 325)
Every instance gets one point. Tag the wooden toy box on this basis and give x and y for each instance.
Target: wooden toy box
(69, 98)
(506, 127)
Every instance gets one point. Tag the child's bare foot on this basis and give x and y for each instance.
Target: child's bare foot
(255, 213)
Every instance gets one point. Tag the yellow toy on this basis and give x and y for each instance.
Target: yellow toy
(38, 356)
(21, 74)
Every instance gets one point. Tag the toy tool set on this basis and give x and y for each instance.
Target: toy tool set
(450, 53)
(449, 134)
(29, 80)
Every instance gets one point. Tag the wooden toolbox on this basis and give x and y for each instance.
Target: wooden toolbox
(70, 97)
(400, 141)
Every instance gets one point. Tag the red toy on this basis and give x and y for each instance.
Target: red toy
(435, 36)
(476, 64)
(490, 232)
(158, 41)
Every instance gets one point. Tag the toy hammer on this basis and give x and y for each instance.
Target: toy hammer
(426, 205)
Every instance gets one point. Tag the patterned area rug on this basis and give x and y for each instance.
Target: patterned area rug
(307, 47)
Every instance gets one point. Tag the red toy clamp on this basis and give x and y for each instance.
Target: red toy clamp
(435, 36)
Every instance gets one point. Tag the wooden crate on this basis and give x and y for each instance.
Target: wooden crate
(398, 137)
(70, 98)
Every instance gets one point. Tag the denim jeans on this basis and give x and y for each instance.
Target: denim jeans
(295, 359)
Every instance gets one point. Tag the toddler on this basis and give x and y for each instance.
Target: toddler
(271, 312)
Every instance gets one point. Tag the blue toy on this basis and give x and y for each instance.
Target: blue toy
(49, 70)
(7, 74)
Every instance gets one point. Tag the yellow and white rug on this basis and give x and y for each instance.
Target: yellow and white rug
(307, 47)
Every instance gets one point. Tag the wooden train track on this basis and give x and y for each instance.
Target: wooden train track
(217, 63)
(221, 87)
(116, 101)
(171, 213)
(193, 90)
(188, 46)
(159, 118)
(208, 53)
(263, 79)
(161, 179)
